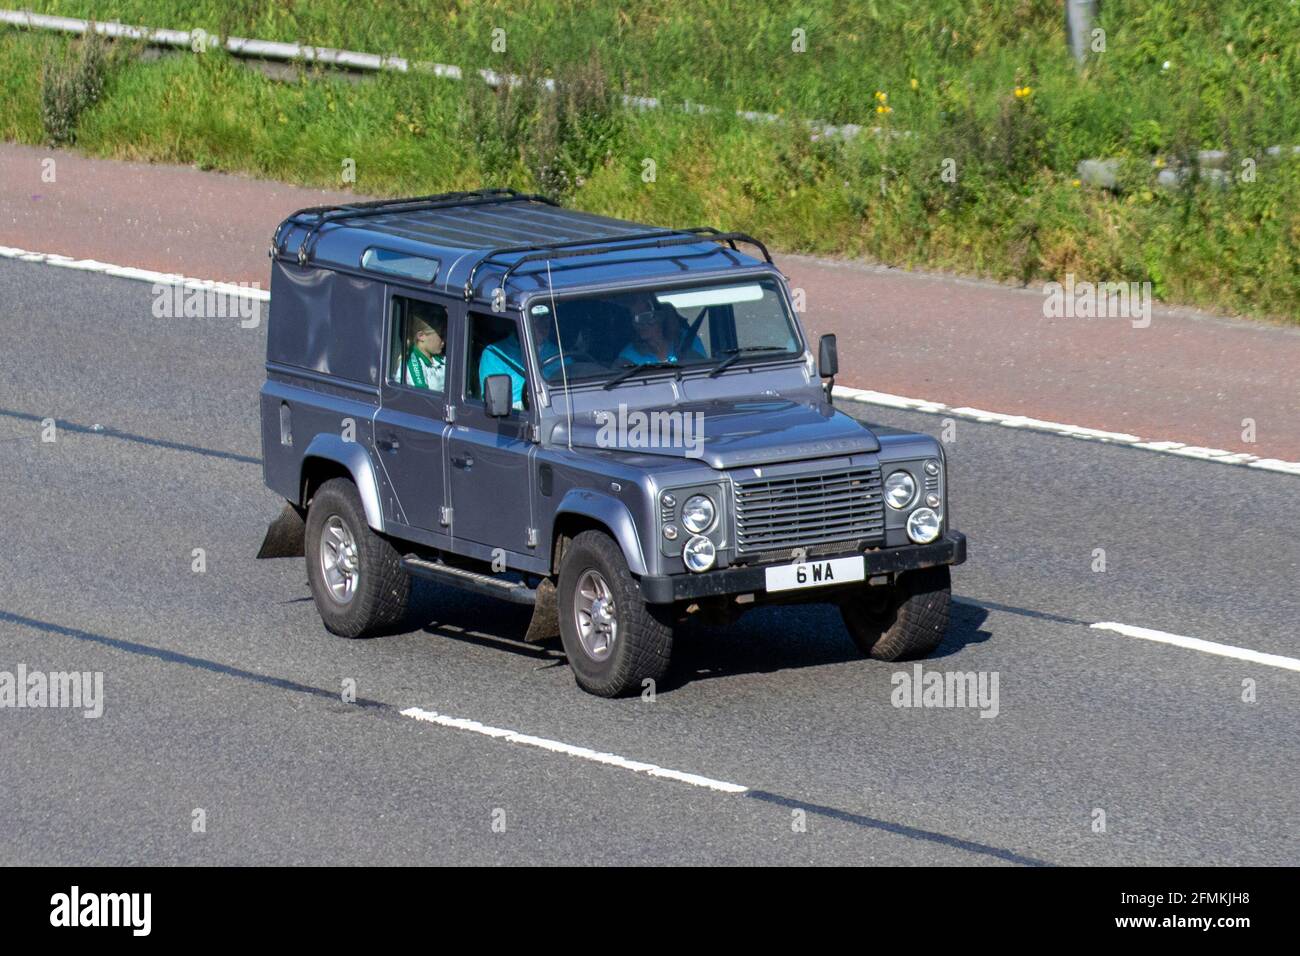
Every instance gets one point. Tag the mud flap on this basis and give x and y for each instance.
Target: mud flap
(545, 623)
(285, 535)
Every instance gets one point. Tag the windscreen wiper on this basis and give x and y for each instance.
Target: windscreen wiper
(734, 355)
(631, 368)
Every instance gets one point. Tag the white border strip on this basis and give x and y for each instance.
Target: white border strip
(142, 275)
(583, 753)
(1196, 644)
(864, 396)
(1070, 431)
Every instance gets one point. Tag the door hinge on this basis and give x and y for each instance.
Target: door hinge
(444, 515)
(449, 413)
(532, 537)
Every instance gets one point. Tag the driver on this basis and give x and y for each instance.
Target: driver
(660, 334)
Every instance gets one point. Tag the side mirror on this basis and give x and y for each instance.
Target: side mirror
(828, 357)
(496, 395)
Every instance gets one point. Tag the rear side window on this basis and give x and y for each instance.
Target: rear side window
(400, 264)
(418, 356)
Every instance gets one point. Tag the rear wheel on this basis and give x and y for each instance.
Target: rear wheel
(906, 621)
(613, 639)
(357, 579)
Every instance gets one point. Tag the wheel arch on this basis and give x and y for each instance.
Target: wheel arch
(329, 456)
(581, 511)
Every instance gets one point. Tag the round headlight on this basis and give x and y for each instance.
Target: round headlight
(699, 554)
(697, 513)
(923, 525)
(900, 489)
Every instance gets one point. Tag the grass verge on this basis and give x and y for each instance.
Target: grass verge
(983, 119)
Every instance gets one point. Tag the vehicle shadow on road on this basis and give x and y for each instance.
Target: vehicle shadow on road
(451, 613)
(764, 641)
(965, 627)
(789, 637)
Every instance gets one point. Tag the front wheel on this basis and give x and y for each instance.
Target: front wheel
(613, 639)
(906, 621)
(356, 576)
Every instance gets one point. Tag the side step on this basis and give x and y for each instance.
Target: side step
(492, 586)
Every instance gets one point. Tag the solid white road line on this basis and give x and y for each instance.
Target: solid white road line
(130, 272)
(1196, 644)
(1069, 431)
(583, 753)
(863, 395)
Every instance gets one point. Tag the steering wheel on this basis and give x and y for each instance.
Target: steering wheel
(571, 356)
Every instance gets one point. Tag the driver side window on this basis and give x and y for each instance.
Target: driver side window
(495, 349)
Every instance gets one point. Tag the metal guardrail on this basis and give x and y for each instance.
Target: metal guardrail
(199, 40)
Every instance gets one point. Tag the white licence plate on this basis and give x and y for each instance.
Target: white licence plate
(815, 574)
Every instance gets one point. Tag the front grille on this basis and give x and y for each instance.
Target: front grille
(802, 511)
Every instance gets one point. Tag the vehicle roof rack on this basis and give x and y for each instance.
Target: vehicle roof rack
(380, 207)
(657, 239)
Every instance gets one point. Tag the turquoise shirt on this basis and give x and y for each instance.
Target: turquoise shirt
(506, 358)
(633, 353)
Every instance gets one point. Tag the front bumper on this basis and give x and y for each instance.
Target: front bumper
(664, 589)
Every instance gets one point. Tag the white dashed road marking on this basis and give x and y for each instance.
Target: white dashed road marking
(1196, 644)
(722, 786)
(583, 753)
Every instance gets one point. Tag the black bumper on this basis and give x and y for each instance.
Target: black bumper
(950, 549)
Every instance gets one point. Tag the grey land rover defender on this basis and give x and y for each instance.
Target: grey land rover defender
(620, 426)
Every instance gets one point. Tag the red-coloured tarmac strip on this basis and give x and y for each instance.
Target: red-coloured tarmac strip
(1185, 377)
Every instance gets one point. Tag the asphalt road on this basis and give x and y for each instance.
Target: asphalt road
(222, 690)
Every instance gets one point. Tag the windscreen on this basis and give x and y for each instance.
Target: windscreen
(608, 334)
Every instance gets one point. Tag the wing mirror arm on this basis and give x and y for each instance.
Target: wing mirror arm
(828, 362)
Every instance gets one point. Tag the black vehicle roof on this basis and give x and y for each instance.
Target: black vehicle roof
(485, 235)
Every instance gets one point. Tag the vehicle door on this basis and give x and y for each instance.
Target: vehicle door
(411, 425)
(489, 457)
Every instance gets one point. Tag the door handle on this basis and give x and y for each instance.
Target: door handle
(388, 444)
(463, 462)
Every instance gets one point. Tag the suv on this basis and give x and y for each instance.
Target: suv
(621, 427)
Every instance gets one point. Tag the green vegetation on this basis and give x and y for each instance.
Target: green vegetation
(989, 87)
(70, 87)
